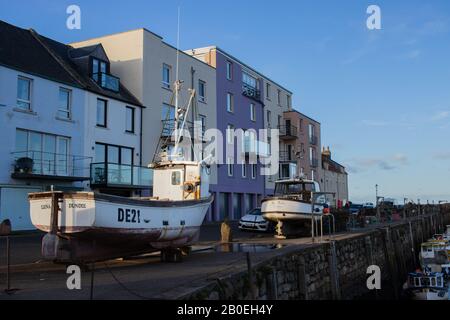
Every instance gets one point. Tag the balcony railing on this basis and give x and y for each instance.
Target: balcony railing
(251, 92)
(288, 132)
(168, 128)
(313, 140)
(47, 165)
(314, 163)
(107, 81)
(287, 156)
(120, 175)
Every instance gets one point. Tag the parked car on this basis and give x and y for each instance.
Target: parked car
(368, 205)
(254, 220)
(355, 208)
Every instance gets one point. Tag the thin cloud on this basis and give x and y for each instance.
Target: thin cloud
(441, 115)
(442, 155)
(375, 123)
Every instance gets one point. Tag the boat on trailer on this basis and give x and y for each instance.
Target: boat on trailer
(292, 205)
(89, 226)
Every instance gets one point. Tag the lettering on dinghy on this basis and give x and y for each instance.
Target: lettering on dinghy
(129, 215)
(46, 206)
(77, 205)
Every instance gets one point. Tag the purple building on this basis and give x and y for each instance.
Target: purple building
(240, 187)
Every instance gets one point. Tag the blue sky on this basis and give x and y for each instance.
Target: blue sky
(382, 96)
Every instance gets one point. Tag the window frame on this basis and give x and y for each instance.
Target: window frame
(133, 119)
(105, 156)
(252, 112)
(254, 171)
(68, 111)
(244, 170)
(268, 89)
(230, 167)
(30, 88)
(229, 70)
(279, 97)
(230, 102)
(166, 85)
(200, 97)
(105, 118)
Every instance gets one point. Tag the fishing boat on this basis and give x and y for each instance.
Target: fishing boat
(426, 286)
(89, 226)
(292, 205)
(433, 254)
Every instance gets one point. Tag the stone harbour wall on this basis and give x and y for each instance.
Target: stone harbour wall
(335, 269)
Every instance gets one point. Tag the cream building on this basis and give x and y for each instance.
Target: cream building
(335, 178)
(148, 67)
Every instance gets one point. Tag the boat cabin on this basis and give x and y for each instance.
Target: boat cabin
(180, 181)
(296, 188)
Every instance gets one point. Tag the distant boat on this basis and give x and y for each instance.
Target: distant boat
(291, 205)
(426, 286)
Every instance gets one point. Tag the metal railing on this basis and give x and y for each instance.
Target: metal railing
(113, 174)
(251, 92)
(288, 131)
(107, 81)
(195, 131)
(50, 164)
(286, 156)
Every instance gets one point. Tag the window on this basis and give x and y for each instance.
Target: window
(50, 153)
(176, 178)
(269, 146)
(24, 93)
(288, 101)
(249, 80)
(311, 155)
(203, 122)
(102, 111)
(252, 112)
(279, 97)
(229, 70)
(202, 90)
(268, 87)
(106, 153)
(244, 171)
(311, 131)
(99, 67)
(254, 170)
(129, 119)
(269, 116)
(230, 102)
(279, 122)
(230, 167)
(168, 112)
(301, 124)
(166, 76)
(230, 134)
(64, 107)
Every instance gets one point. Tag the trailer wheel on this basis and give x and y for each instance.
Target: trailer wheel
(171, 255)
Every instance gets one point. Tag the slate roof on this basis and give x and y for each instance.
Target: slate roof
(27, 51)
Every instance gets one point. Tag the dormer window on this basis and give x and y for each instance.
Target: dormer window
(100, 74)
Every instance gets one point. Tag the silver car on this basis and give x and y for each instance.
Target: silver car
(254, 220)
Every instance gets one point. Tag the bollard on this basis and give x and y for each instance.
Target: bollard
(225, 232)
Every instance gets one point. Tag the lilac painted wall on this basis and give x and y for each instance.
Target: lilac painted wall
(239, 119)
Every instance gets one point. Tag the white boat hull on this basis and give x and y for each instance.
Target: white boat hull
(277, 209)
(116, 221)
(432, 295)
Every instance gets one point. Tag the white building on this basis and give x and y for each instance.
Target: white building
(61, 121)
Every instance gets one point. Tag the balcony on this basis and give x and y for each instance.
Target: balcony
(40, 165)
(107, 81)
(121, 176)
(313, 140)
(314, 163)
(288, 132)
(251, 92)
(286, 156)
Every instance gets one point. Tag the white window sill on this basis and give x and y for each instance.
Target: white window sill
(100, 127)
(64, 119)
(30, 112)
